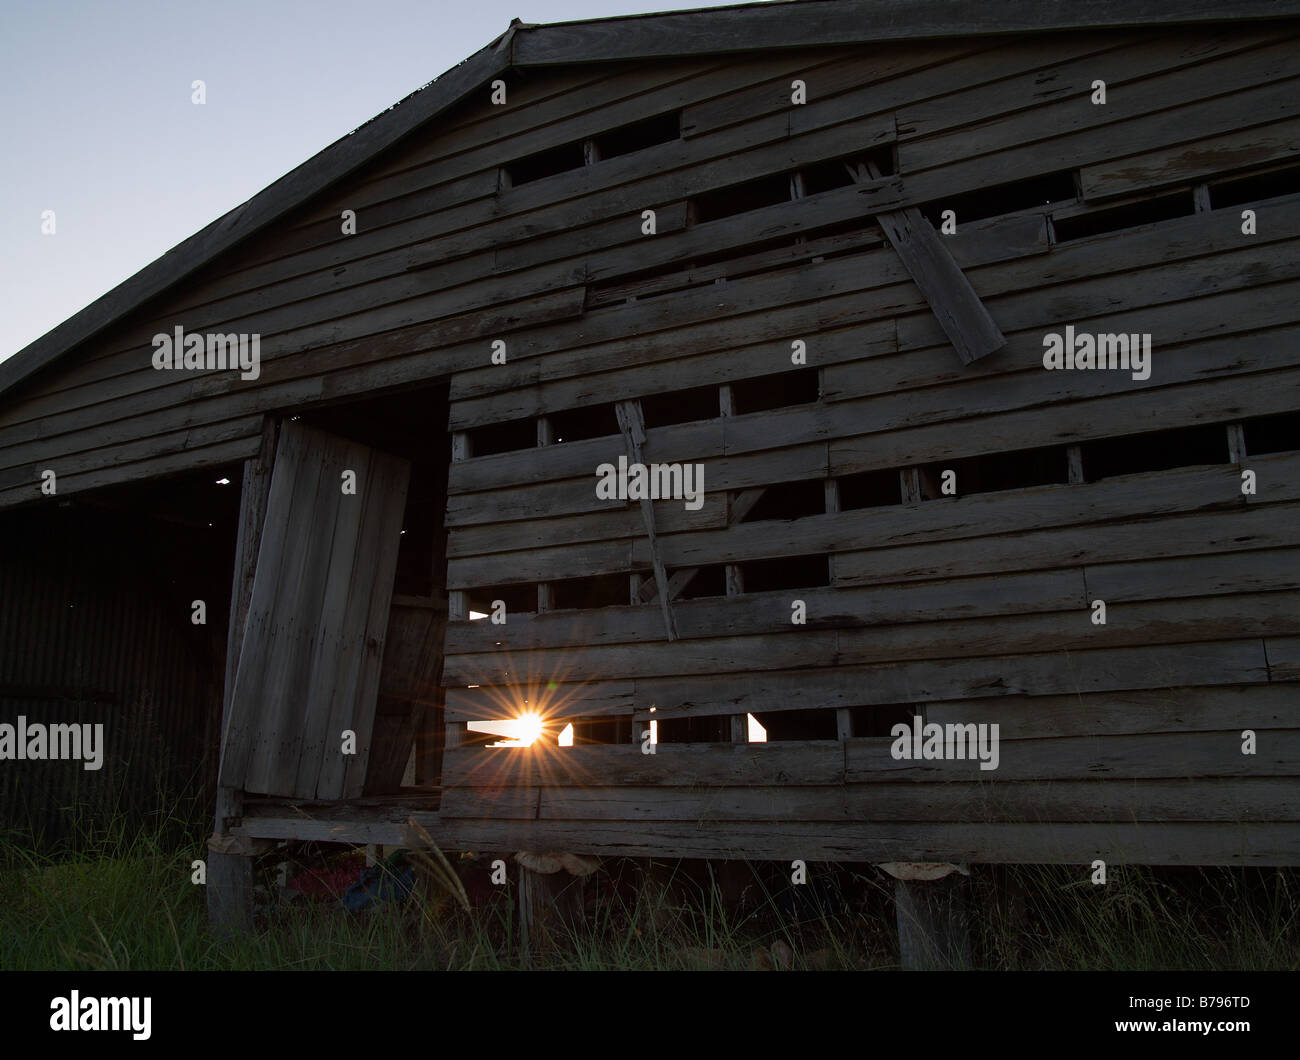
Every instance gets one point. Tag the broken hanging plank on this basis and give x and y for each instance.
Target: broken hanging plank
(952, 299)
(632, 424)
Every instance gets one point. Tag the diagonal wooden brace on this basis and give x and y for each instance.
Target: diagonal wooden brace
(952, 299)
(632, 424)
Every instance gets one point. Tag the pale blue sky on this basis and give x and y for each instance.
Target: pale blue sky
(97, 124)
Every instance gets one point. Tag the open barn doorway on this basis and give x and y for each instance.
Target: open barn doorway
(336, 688)
(408, 734)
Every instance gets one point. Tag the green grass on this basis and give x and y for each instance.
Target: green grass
(125, 900)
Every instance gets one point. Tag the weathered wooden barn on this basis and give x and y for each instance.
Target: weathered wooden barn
(810, 263)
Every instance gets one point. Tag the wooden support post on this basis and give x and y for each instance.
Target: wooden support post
(832, 487)
(909, 480)
(229, 875)
(550, 906)
(725, 407)
(1236, 444)
(632, 424)
(1201, 198)
(229, 891)
(933, 930)
(735, 579)
(952, 299)
(1074, 460)
(843, 723)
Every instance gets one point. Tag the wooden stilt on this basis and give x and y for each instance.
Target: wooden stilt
(933, 930)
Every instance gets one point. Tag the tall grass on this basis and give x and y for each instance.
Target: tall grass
(123, 899)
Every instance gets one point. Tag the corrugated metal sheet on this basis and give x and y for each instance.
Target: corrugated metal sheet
(92, 632)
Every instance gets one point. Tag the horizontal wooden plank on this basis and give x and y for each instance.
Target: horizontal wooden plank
(1217, 799)
(671, 765)
(1146, 843)
(1172, 710)
(1216, 534)
(1276, 141)
(753, 613)
(1225, 662)
(1147, 755)
(1150, 622)
(1237, 572)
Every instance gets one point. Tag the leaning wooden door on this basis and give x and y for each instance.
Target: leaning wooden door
(308, 672)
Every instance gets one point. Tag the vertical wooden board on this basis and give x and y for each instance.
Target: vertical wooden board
(309, 664)
(349, 700)
(269, 648)
(297, 609)
(334, 647)
(381, 539)
(292, 484)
